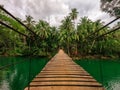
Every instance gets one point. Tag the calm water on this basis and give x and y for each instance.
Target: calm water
(19, 71)
(105, 72)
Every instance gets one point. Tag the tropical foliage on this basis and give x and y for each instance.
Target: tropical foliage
(70, 36)
(111, 6)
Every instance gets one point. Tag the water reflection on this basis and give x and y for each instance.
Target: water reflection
(16, 77)
(113, 84)
(4, 85)
(106, 72)
(4, 82)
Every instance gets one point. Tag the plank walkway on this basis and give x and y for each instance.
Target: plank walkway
(61, 73)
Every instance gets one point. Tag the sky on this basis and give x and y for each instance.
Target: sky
(53, 11)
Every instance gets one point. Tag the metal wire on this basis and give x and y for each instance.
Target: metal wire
(4, 24)
(17, 20)
(103, 27)
(118, 28)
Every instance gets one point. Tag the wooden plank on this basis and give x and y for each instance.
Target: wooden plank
(61, 73)
(84, 79)
(65, 88)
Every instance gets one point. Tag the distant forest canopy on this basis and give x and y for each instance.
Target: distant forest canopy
(111, 6)
(77, 40)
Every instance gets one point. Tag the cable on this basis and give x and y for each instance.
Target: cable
(101, 71)
(29, 74)
(118, 28)
(103, 27)
(17, 20)
(2, 23)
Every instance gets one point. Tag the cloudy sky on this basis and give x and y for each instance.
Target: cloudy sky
(54, 11)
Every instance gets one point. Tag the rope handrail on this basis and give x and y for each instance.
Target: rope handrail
(103, 27)
(118, 28)
(2, 23)
(17, 20)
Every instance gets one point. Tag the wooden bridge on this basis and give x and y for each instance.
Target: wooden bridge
(61, 73)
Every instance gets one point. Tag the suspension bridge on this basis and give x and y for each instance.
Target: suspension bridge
(61, 73)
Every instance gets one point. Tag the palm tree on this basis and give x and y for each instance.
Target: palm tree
(66, 29)
(84, 28)
(53, 41)
(43, 30)
(29, 21)
(73, 14)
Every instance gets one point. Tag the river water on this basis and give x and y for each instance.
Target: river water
(17, 72)
(106, 72)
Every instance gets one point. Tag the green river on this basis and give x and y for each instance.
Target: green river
(106, 72)
(17, 72)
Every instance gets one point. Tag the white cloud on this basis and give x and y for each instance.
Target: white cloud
(54, 11)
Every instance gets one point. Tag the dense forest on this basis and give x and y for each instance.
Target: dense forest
(75, 39)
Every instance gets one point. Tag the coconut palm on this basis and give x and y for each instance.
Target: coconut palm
(29, 21)
(66, 29)
(73, 14)
(42, 29)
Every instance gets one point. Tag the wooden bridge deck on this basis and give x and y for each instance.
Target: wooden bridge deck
(61, 73)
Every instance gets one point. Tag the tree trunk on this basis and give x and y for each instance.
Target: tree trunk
(24, 40)
(76, 51)
(68, 49)
(91, 46)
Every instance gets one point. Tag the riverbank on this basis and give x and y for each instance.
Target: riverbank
(95, 57)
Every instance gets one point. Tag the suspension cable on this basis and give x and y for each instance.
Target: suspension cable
(118, 28)
(29, 77)
(17, 20)
(2, 23)
(103, 27)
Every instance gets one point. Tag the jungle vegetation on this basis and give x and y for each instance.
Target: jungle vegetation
(73, 38)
